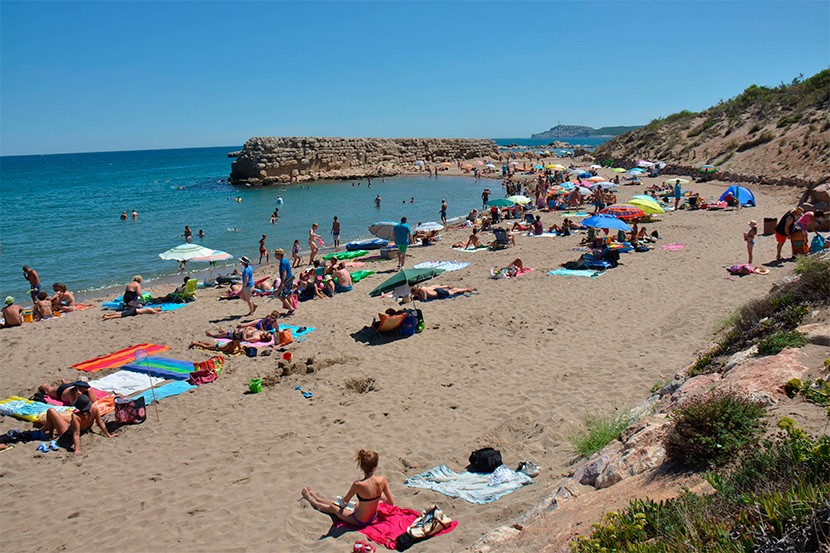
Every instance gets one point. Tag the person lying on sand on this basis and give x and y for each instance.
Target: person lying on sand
(514, 268)
(268, 322)
(368, 490)
(472, 243)
(68, 392)
(133, 301)
(83, 416)
(230, 348)
(246, 334)
(434, 291)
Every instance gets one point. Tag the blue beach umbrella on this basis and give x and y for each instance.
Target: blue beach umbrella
(605, 221)
(584, 175)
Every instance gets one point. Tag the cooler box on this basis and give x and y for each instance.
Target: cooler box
(798, 241)
(769, 225)
(388, 253)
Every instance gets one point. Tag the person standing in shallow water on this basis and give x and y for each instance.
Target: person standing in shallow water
(335, 233)
(188, 234)
(443, 212)
(263, 250)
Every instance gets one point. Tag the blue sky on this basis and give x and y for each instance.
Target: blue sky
(78, 76)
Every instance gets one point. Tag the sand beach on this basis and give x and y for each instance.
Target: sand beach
(515, 366)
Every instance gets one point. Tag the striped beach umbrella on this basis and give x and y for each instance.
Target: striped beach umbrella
(624, 211)
(708, 169)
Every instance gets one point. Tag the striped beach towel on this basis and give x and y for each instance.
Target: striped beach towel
(119, 358)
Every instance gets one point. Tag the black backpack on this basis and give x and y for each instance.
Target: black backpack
(484, 460)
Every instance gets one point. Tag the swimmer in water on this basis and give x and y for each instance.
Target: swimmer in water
(201, 233)
(123, 215)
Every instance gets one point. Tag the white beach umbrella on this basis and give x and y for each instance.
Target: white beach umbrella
(430, 226)
(186, 252)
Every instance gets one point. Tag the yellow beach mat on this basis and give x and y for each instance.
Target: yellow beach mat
(28, 410)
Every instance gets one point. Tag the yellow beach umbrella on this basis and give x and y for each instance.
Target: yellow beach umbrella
(618, 170)
(648, 204)
(557, 167)
(521, 200)
(674, 181)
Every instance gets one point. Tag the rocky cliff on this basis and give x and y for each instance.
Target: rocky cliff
(775, 135)
(579, 131)
(271, 160)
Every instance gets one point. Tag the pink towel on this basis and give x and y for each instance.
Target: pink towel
(391, 522)
(672, 247)
(100, 394)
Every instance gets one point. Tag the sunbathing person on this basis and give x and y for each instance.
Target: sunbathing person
(133, 300)
(514, 268)
(43, 307)
(83, 416)
(68, 392)
(175, 296)
(436, 291)
(231, 348)
(473, 242)
(268, 322)
(246, 334)
(63, 300)
(521, 226)
(369, 490)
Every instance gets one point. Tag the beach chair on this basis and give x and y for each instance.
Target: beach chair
(189, 293)
(502, 240)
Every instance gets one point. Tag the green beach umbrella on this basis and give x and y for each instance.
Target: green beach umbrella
(405, 276)
(501, 202)
(647, 204)
(708, 169)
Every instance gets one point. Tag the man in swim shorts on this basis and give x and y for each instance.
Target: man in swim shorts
(34, 281)
(403, 237)
(286, 287)
(343, 281)
(335, 233)
(263, 250)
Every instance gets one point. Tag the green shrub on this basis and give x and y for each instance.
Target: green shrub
(712, 429)
(781, 341)
(600, 430)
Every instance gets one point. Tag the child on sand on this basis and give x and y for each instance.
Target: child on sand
(749, 237)
(296, 260)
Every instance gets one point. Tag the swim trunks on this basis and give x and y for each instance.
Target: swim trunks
(67, 440)
(129, 312)
(402, 247)
(339, 289)
(442, 293)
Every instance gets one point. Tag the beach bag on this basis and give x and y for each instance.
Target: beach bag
(130, 411)
(484, 460)
(431, 521)
(420, 326)
(409, 325)
(818, 244)
(284, 337)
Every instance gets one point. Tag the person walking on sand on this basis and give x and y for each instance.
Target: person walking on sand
(286, 288)
(314, 241)
(335, 233)
(678, 193)
(403, 237)
(443, 212)
(34, 281)
(247, 291)
(749, 238)
(263, 250)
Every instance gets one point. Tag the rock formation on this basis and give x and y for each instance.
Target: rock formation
(271, 160)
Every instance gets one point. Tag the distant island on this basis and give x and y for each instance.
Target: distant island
(578, 131)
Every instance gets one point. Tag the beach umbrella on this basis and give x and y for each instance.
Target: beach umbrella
(575, 171)
(490, 165)
(501, 202)
(521, 200)
(673, 181)
(708, 169)
(584, 175)
(405, 276)
(637, 170)
(186, 252)
(585, 191)
(558, 191)
(605, 221)
(605, 185)
(419, 163)
(644, 163)
(595, 179)
(430, 226)
(383, 229)
(514, 163)
(647, 204)
(447, 164)
(557, 167)
(624, 211)
(467, 166)
(568, 185)
(595, 166)
(479, 162)
(538, 167)
(618, 170)
(217, 255)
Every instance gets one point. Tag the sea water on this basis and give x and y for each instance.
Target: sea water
(60, 213)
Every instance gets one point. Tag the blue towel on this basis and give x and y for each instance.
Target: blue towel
(469, 486)
(576, 272)
(166, 390)
(295, 331)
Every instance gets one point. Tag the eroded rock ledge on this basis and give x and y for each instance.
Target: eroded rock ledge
(271, 160)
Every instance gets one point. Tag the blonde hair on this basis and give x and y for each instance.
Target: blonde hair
(137, 278)
(367, 460)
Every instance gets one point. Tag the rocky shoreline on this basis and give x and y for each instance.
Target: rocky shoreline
(281, 160)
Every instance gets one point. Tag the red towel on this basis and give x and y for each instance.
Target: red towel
(119, 358)
(391, 522)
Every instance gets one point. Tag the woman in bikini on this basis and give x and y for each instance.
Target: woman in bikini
(368, 491)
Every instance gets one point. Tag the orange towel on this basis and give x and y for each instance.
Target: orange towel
(119, 358)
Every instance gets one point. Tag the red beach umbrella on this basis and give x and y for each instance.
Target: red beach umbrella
(624, 211)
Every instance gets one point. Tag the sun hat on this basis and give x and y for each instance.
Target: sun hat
(9, 300)
(83, 404)
(753, 223)
(245, 260)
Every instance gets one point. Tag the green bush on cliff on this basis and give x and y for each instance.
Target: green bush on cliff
(775, 496)
(780, 341)
(600, 430)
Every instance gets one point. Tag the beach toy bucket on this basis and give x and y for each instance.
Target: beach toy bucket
(27, 317)
(287, 356)
(256, 385)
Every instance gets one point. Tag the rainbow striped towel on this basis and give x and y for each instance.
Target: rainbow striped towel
(119, 358)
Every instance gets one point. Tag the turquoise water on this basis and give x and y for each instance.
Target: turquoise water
(61, 212)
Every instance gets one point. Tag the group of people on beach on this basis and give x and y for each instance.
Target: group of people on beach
(43, 306)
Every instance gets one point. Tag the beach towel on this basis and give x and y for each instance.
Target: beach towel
(391, 522)
(223, 341)
(503, 273)
(119, 358)
(164, 391)
(545, 234)
(470, 250)
(125, 382)
(448, 266)
(26, 409)
(172, 369)
(469, 486)
(83, 306)
(574, 214)
(576, 273)
(672, 247)
(53, 401)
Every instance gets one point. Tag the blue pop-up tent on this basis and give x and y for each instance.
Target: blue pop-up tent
(744, 195)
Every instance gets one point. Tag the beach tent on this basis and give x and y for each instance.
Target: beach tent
(744, 195)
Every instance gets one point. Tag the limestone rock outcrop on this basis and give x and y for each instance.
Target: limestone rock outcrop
(272, 160)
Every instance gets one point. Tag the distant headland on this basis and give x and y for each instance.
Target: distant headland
(579, 131)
